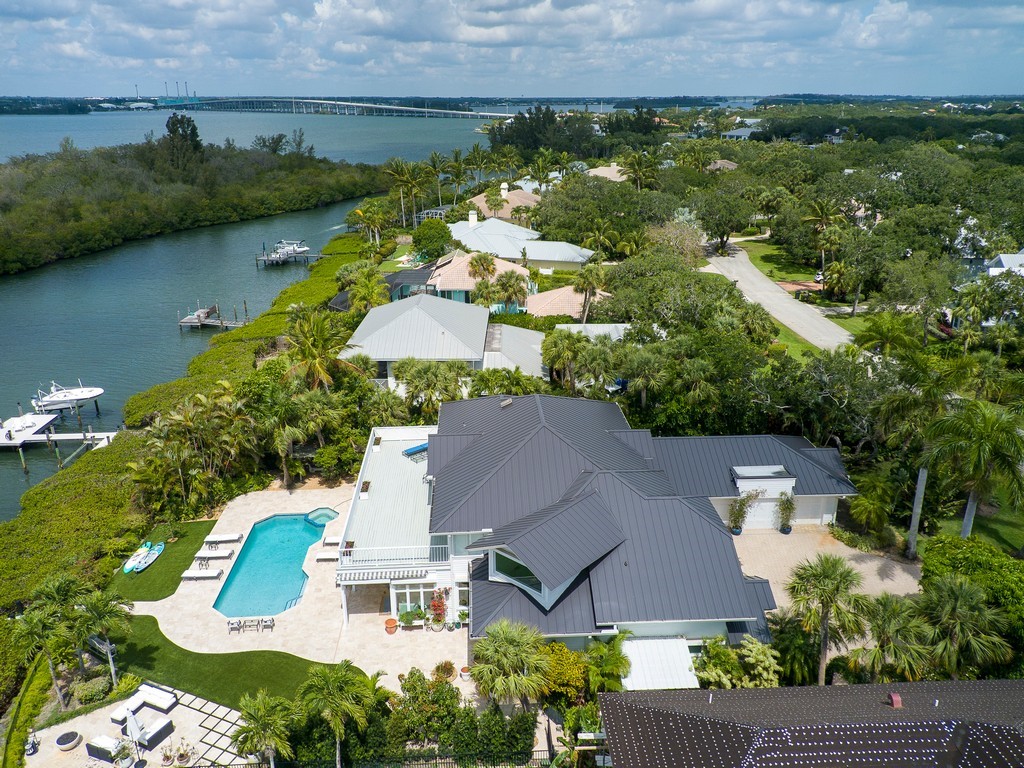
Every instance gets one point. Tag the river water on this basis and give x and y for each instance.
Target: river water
(110, 319)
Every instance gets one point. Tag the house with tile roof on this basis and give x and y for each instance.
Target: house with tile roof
(553, 511)
(451, 278)
(559, 301)
(512, 199)
(944, 724)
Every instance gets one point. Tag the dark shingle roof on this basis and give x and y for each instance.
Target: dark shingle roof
(957, 724)
(701, 466)
(556, 543)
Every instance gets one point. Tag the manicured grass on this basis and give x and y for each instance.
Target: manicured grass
(771, 260)
(853, 324)
(219, 677)
(796, 345)
(1004, 530)
(161, 579)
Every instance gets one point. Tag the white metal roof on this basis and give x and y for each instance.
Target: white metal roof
(659, 663)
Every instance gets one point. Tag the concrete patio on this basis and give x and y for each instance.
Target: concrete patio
(772, 555)
(312, 629)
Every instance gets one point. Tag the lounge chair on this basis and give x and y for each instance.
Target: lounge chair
(201, 575)
(219, 554)
(327, 557)
(216, 539)
(332, 541)
(102, 748)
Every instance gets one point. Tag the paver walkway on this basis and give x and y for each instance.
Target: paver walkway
(801, 318)
(772, 555)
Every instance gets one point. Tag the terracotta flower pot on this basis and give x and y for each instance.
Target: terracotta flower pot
(391, 626)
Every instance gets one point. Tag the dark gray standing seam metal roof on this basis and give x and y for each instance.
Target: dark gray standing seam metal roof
(701, 466)
(956, 724)
(674, 564)
(444, 448)
(556, 543)
(572, 614)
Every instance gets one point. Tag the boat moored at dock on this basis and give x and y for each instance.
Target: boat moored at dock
(60, 398)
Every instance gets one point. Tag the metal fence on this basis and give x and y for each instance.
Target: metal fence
(535, 759)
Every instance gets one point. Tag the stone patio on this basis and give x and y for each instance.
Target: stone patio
(312, 629)
(771, 555)
(203, 724)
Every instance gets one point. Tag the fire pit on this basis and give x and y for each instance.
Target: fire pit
(69, 740)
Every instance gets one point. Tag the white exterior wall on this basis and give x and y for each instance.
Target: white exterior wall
(815, 510)
(810, 510)
(694, 630)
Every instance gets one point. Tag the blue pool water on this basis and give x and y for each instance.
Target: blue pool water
(267, 576)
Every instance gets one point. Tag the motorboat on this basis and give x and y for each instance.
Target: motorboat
(60, 398)
(291, 247)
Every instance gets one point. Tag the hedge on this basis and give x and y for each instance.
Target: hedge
(30, 702)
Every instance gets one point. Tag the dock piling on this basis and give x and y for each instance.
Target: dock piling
(24, 465)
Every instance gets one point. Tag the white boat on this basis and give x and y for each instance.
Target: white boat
(291, 247)
(61, 398)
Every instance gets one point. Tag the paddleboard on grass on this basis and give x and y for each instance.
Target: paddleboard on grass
(141, 552)
(149, 557)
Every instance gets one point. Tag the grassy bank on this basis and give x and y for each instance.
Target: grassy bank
(795, 345)
(219, 677)
(775, 263)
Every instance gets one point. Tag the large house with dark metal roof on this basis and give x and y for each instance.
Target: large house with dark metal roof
(950, 724)
(552, 511)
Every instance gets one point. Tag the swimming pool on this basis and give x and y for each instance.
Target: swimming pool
(267, 577)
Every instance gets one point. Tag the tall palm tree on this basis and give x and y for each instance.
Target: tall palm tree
(400, 173)
(428, 383)
(369, 290)
(897, 635)
(797, 648)
(541, 167)
(588, 281)
(436, 165)
(509, 663)
(482, 266)
(886, 333)
(560, 350)
(458, 173)
(644, 369)
(337, 694)
(316, 341)
(596, 362)
(640, 167)
(984, 442)
(607, 664)
(510, 288)
(507, 158)
(265, 727)
(822, 214)
(107, 612)
(822, 591)
(477, 159)
(39, 630)
(963, 630)
(601, 238)
(59, 596)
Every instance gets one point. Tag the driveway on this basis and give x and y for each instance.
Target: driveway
(801, 318)
(772, 556)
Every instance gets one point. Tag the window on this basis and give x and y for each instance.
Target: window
(516, 571)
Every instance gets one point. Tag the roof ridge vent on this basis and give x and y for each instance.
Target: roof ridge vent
(505, 403)
(895, 700)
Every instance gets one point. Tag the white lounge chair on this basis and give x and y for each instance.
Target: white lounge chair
(201, 575)
(327, 557)
(218, 554)
(332, 541)
(214, 540)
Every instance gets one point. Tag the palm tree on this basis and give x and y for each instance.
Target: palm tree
(633, 243)
(37, 631)
(588, 281)
(541, 167)
(316, 341)
(644, 369)
(503, 381)
(560, 351)
(885, 334)
(482, 266)
(476, 160)
(607, 664)
(336, 694)
(602, 237)
(639, 167)
(963, 630)
(797, 648)
(428, 383)
(369, 290)
(59, 596)
(822, 591)
(984, 443)
(897, 641)
(596, 362)
(436, 166)
(822, 215)
(510, 288)
(265, 727)
(107, 612)
(400, 172)
(509, 663)
(458, 173)
(507, 158)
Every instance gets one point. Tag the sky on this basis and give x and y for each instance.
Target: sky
(510, 48)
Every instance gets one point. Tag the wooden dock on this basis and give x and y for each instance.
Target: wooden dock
(274, 258)
(30, 429)
(210, 317)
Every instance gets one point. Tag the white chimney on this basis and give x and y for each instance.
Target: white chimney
(472, 218)
(504, 190)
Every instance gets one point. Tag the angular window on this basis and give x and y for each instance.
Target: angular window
(517, 572)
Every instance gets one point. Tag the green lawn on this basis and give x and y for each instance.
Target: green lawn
(796, 345)
(219, 677)
(853, 324)
(771, 260)
(162, 577)
(1004, 530)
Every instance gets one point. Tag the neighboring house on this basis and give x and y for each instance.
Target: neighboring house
(451, 278)
(513, 199)
(1005, 261)
(722, 165)
(614, 331)
(552, 511)
(560, 301)
(948, 724)
(509, 241)
(611, 172)
(739, 134)
(431, 328)
(401, 285)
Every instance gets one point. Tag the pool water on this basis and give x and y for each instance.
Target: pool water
(267, 577)
(321, 516)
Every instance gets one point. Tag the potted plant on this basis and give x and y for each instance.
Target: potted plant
(122, 755)
(439, 607)
(184, 752)
(391, 626)
(787, 508)
(464, 673)
(409, 618)
(463, 617)
(739, 507)
(444, 671)
(167, 755)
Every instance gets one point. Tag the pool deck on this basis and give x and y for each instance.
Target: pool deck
(312, 629)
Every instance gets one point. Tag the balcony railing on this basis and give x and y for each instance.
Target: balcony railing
(359, 558)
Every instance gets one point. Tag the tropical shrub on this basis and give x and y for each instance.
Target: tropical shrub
(752, 665)
(90, 691)
(566, 677)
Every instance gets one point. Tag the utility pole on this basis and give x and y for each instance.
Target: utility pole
(136, 91)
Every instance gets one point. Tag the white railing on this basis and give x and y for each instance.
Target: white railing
(360, 558)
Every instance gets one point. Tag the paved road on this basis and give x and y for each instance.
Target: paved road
(802, 318)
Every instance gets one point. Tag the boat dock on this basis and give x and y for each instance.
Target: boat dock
(20, 432)
(286, 251)
(210, 317)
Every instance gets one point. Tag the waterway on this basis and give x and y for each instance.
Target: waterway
(110, 319)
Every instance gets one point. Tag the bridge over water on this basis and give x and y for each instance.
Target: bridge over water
(317, 106)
